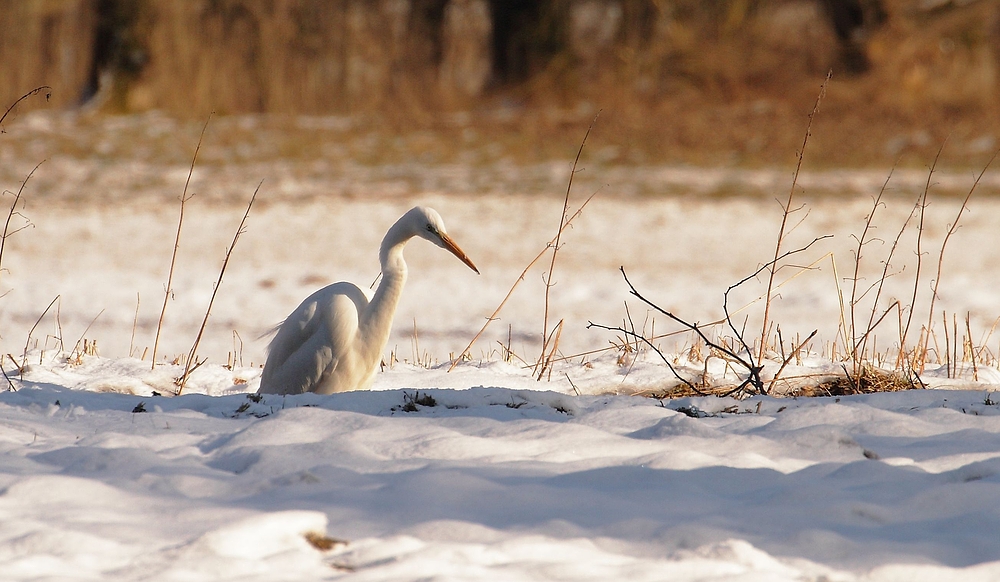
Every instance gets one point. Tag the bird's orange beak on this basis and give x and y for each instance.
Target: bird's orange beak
(453, 248)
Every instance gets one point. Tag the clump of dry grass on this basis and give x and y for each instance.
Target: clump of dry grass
(867, 380)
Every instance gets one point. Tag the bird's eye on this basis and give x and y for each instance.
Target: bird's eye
(431, 229)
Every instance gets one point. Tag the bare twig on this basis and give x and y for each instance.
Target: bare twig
(191, 363)
(749, 362)
(654, 337)
(772, 269)
(177, 242)
(753, 370)
(10, 383)
(648, 342)
(572, 385)
(35, 91)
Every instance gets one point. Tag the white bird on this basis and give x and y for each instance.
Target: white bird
(333, 341)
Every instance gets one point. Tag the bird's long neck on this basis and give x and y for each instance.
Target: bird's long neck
(378, 317)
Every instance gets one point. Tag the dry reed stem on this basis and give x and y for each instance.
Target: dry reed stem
(238, 349)
(517, 282)
(135, 322)
(177, 242)
(922, 341)
(872, 322)
(83, 335)
(546, 360)
(555, 247)
(947, 345)
(787, 359)
(944, 243)
(972, 348)
(7, 232)
(27, 342)
(415, 345)
(786, 210)
(191, 364)
(857, 345)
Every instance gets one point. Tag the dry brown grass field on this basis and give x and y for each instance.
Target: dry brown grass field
(723, 83)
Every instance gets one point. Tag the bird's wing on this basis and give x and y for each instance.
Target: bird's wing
(311, 343)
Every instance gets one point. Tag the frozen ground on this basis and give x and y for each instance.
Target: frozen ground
(482, 473)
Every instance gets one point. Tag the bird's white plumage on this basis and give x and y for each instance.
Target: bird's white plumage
(333, 341)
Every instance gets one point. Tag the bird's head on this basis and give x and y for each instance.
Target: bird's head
(427, 224)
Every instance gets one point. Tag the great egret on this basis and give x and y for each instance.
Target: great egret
(333, 341)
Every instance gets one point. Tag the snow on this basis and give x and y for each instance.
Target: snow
(102, 480)
(483, 472)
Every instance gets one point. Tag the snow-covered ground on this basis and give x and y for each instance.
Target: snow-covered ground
(101, 260)
(505, 479)
(482, 473)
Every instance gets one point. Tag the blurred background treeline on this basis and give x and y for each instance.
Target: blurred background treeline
(677, 81)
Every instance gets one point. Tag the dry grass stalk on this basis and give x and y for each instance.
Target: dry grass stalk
(944, 243)
(971, 349)
(237, 349)
(793, 354)
(177, 243)
(546, 359)
(947, 346)
(555, 248)
(7, 232)
(920, 353)
(857, 345)
(82, 341)
(192, 358)
(419, 359)
(31, 332)
(493, 316)
(135, 323)
(786, 211)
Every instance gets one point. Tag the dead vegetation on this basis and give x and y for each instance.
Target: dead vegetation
(760, 361)
(679, 81)
(758, 364)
